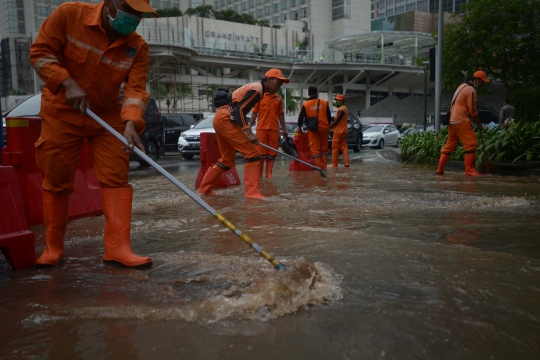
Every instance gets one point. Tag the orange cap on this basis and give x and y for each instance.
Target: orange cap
(142, 6)
(481, 75)
(276, 73)
(339, 97)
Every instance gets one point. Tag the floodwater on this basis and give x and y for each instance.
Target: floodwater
(384, 260)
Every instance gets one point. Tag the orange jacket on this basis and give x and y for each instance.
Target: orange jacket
(310, 110)
(465, 106)
(243, 100)
(268, 110)
(72, 43)
(339, 125)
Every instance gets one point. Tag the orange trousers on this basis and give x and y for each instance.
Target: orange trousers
(59, 146)
(464, 132)
(231, 138)
(339, 142)
(318, 146)
(270, 138)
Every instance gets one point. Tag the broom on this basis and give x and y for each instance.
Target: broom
(485, 165)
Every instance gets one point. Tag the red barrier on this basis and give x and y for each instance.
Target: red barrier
(301, 141)
(22, 134)
(16, 241)
(209, 156)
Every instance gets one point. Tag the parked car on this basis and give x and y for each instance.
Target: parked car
(152, 137)
(406, 132)
(355, 134)
(174, 125)
(377, 135)
(189, 142)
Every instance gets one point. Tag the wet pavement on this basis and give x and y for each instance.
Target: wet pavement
(384, 260)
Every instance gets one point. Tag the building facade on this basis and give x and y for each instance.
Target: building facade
(326, 19)
(384, 8)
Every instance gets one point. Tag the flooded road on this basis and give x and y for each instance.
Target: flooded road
(384, 260)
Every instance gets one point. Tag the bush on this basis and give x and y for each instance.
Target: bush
(527, 103)
(521, 141)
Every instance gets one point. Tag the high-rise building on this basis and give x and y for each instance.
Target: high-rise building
(384, 8)
(326, 19)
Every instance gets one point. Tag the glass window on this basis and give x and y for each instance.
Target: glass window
(216, 4)
(276, 7)
(285, 17)
(259, 13)
(237, 8)
(43, 11)
(267, 10)
(294, 3)
(175, 5)
(341, 9)
(304, 12)
(294, 15)
(244, 5)
(284, 4)
(276, 19)
(251, 3)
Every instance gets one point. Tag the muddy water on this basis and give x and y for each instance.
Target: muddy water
(383, 260)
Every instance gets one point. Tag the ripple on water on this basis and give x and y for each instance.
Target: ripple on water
(202, 287)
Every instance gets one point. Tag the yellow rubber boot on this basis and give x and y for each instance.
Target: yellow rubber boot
(117, 209)
(55, 216)
(251, 180)
(442, 162)
(209, 179)
(470, 165)
(269, 167)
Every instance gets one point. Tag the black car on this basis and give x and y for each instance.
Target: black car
(152, 137)
(174, 125)
(354, 136)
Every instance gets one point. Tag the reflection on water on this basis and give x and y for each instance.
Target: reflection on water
(383, 260)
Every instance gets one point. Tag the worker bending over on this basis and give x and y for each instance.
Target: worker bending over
(84, 53)
(233, 132)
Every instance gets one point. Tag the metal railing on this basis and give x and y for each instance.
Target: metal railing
(264, 52)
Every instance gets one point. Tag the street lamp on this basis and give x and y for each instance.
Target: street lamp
(425, 65)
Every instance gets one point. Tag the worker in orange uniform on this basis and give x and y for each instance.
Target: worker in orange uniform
(460, 127)
(233, 132)
(317, 140)
(84, 53)
(268, 111)
(340, 130)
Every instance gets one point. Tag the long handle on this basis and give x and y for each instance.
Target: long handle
(276, 263)
(296, 159)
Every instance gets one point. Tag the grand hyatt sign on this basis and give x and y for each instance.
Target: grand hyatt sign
(231, 36)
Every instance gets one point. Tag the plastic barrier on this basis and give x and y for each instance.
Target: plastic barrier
(301, 141)
(22, 134)
(16, 241)
(209, 156)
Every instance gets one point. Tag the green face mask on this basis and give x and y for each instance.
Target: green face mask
(125, 23)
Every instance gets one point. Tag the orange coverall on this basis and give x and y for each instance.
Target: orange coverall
(317, 140)
(268, 109)
(72, 43)
(460, 127)
(339, 140)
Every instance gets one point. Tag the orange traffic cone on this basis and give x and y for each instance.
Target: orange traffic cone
(117, 209)
(55, 216)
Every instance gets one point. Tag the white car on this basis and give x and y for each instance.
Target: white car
(378, 135)
(189, 142)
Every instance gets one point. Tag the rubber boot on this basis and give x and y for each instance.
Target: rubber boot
(470, 165)
(442, 162)
(317, 162)
(251, 181)
(210, 177)
(335, 158)
(324, 161)
(117, 210)
(55, 216)
(269, 167)
(346, 158)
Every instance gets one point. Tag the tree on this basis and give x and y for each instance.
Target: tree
(173, 12)
(504, 41)
(291, 104)
(204, 11)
